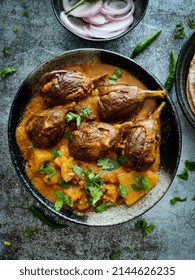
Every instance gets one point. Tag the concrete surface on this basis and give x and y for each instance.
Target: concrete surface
(40, 37)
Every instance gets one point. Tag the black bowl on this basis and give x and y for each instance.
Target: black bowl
(170, 148)
(140, 10)
(185, 56)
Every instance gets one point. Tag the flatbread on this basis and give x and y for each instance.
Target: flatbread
(191, 85)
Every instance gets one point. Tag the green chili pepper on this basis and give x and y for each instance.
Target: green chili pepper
(171, 77)
(38, 214)
(139, 48)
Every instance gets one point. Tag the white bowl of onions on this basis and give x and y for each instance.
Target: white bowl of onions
(99, 20)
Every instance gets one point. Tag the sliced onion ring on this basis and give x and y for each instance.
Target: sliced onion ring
(112, 7)
(97, 19)
(84, 10)
(74, 24)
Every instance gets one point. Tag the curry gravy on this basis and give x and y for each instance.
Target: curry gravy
(112, 179)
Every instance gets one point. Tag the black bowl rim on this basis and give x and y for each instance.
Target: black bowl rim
(101, 39)
(24, 178)
(181, 79)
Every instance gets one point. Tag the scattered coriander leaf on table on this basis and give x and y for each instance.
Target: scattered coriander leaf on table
(7, 71)
(180, 31)
(5, 52)
(7, 243)
(31, 232)
(15, 28)
(189, 166)
(115, 255)
(25, 14)
(174, 200)
(144, 227)
(191, 23)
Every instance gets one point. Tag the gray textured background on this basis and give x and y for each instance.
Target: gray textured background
(41, 37)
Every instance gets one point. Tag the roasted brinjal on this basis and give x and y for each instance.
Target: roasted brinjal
(141, 141)
(92, 141)
(45, 129)
(65, 86)
(122, 101)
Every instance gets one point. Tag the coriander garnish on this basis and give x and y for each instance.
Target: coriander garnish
(31, 232)
(102, 207)
(115, 76)
(47, 169)
(123, 190)
(142, 184)
(56, 153)
(62, 199)
(15, 28)
(78, 117)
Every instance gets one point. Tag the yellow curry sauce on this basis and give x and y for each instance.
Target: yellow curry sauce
(61, 164)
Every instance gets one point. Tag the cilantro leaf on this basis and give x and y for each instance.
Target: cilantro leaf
(56, 153)
(143, 184)
(115, 255)
(77, 170)
(180, 32)
(111, 164)
(190, 165)
(25, 14)
(174, 200)
(15, 29)
(93, 184)
(123, 190)
(102, 207)
(62, 199)
(31, 232)
(47, 169)
(144, 227)
(191, 23)
(115, 76)
(122, 159)
(7, 71)
(68, 136)
(183, 175)
(77, 117)
(5, 52)
(108, 164)
(64, 184)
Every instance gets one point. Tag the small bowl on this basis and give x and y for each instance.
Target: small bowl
(170, 148)
(140, 10)
(185, 57)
